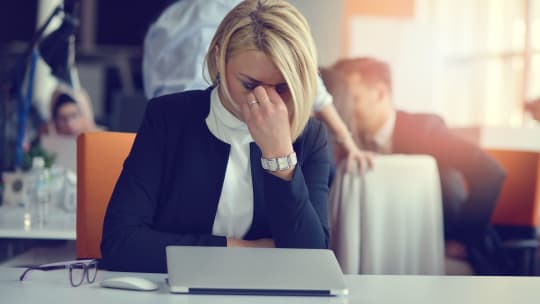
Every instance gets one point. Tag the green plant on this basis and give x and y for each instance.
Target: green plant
(37, 150)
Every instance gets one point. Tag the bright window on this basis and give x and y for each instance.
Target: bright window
(484, 46)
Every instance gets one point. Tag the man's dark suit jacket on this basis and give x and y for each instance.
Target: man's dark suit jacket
(169, 189)
(471, 179)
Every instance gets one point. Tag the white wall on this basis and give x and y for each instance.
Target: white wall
(325, 18)
(406, 44)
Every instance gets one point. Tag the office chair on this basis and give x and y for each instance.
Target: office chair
(100, 157)
(127, 111)
(516, 215)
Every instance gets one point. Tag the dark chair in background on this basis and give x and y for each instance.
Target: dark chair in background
(127, 111)
(516, 217)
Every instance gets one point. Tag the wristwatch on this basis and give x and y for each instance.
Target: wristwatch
(279, 163)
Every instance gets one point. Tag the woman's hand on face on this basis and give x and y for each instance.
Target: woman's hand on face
(267, 118)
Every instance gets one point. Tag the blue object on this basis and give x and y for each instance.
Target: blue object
(24, 107)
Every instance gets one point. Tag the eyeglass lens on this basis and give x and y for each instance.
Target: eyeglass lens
(91, 272)
(76, 274)
(78, 271)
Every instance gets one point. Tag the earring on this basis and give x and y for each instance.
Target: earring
(218, 79)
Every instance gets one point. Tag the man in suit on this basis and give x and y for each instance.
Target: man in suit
(470, 179)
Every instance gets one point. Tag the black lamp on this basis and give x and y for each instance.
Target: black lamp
(57, 50)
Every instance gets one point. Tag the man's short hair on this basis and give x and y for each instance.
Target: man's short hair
(370, 69)
(60, 101)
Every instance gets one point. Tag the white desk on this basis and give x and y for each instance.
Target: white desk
(53, 287)
(60, 225)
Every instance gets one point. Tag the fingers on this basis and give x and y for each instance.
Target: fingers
(366, 159)
(264, 105)
(274, 96)
(246, 107)
(361, 161)
(268, 96)
(266, 243)
(350, 164)
(261, 95)
(268, 101)
(370, 157)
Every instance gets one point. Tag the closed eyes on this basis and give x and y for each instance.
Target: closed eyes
(250, 86)
(280, 88)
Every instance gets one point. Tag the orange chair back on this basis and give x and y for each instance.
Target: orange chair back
(100, 157)
(519, 200)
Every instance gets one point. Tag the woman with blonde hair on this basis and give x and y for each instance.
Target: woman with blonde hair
(240, 164)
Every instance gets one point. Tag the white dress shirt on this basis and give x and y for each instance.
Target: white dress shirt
(176, 44)
(235, 208)
(383, 137)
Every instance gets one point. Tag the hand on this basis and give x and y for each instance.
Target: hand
(267, 118)
(260, 243)
(353, 155)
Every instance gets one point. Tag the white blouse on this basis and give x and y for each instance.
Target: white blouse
(235, 208)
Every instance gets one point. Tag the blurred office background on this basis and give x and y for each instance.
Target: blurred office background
(473, 62)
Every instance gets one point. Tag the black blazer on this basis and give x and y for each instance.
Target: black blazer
(470, 178)
(169, 189)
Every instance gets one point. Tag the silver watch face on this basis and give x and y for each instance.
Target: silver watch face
(279, 163)
(283, 163)
(272, 164)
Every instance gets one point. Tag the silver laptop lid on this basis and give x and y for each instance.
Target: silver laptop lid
(269, 271)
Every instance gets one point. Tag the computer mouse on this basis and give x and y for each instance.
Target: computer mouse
(130, 283)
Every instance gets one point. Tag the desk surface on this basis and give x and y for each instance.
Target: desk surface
(60, 226)
(53, 287)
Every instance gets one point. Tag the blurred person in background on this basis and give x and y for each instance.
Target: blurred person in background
(471, 180)
(71, 112)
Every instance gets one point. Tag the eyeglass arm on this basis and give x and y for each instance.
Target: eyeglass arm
(42, 268)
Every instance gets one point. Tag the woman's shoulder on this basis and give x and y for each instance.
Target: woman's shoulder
(314, 133)
(184, 104)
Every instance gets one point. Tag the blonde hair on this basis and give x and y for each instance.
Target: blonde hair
(279, 30)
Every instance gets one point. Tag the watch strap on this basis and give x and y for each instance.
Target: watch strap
(279, 163)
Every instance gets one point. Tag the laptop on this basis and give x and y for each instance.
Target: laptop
(254, 271)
